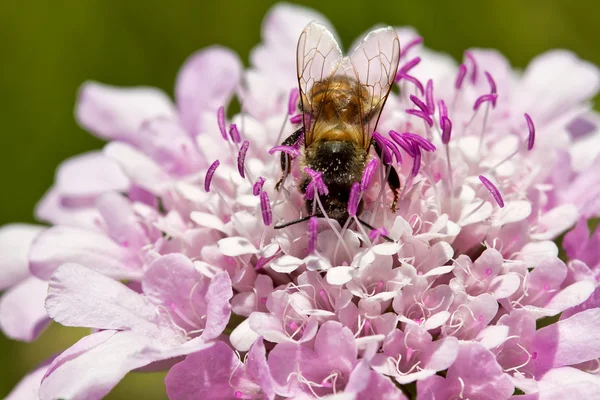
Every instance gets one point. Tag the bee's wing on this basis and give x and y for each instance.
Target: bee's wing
(318, 56)
(375, 63)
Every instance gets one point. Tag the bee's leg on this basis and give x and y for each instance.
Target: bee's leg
(392, 179)
(286, 160)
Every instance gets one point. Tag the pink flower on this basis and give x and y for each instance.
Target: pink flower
(173, 241)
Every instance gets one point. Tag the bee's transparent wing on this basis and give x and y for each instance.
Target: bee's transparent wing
(318, 57)
(375, 62)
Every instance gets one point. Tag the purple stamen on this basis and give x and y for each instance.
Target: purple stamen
(221, 121)
(442, 109)
(209, 175)
(316, 182)
(474, 63)
(394, 149)
(416, 41)
(234, 133)
(296, 119)
(420, 141)
(313, 225)
(406, 145)
(412, 80)
(491, 81)
(446, 130)
(485, 98)
(265, 208)
(531, 127)
(408, 66)
(386, 157)
(422, 115)
(353, 200)
(429, 97)
(258, 185)
(424, 107)
(293, 101)
(492, 189)
(289, 150)
(417, 161)
(368, 174)
(375, 233)
(242, 158)
(460, 77)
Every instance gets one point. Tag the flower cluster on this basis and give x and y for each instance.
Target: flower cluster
(164, 244)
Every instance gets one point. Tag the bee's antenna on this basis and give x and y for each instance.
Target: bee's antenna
(286, 224)
(371, 228)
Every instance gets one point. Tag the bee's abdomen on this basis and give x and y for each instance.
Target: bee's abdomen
(341, 162)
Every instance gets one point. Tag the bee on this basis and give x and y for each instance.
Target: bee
(341, 99)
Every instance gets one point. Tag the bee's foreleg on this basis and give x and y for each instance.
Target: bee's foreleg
(286, 160)
(392, 176)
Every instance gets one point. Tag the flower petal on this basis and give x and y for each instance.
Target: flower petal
(117, 113)
(15, 241)
(61, 244)
(204, 375)
(206, 82)
(22, 312)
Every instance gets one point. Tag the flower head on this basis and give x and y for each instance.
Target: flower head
(174, 240)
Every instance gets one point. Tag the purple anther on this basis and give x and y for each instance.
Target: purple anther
(258, 185)
(422, 115)
(474, 64)
(293, 101)
(492, 189)
(242, 158)
(403, 143)
(265, 208)
(368, 174)
(391, 146)
(386, 157)
(483, 99)
(531, 127)
(446, 130)
(412, 80)
(420, 141)
(409, 65)
(234, 133)
(429, 97)
(419, 103)
(416, 41)
(209, 175)
(289, 150)
(416, 161)
(313, 231)
(221, 121)
(353, 199)
(442, 110)
(460, 77)
(490, 79)
(296, 119)
(316, 182)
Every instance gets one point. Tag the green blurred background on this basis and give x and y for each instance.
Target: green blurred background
(48, 48)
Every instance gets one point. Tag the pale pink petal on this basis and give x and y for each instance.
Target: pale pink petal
(121, 222)
(28, 388)
(89, 174)
(15, 241)
(60, 244)
(568, 342)
(204, 375)
(206, 82)
(218, 309)
(78, 296)
(117, 113)
(556, 221)
(584, 191)
(51, 208)
(22, 312)
(258, 370)
(569, 383)
(574, 81)
(137, 166)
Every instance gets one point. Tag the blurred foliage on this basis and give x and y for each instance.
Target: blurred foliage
(49, 48)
